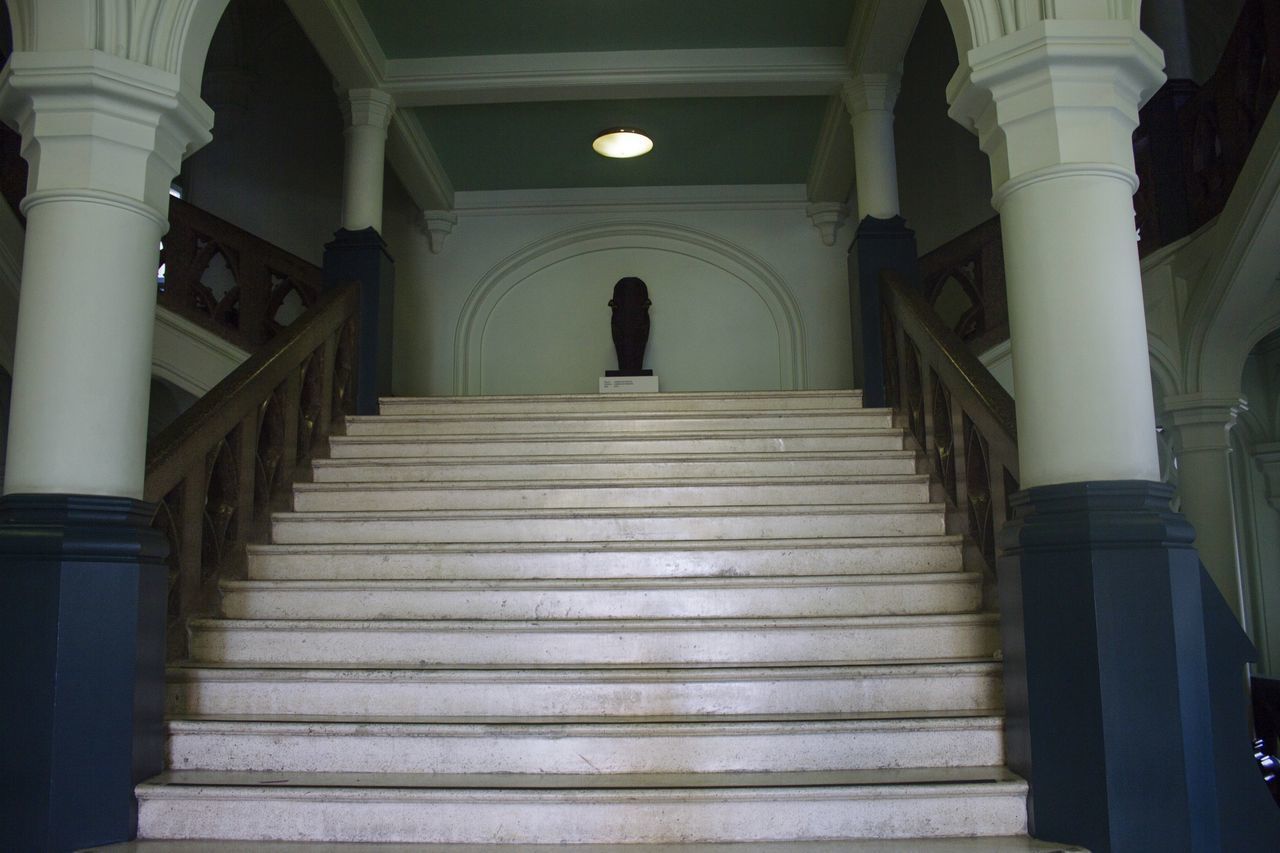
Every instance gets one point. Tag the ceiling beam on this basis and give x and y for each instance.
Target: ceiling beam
(831, 170)
(342, 36)
(725, 72)
(880, 33)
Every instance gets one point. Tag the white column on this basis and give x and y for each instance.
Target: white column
(368, 115)
(870, 99)
(1199, 426)
(104, 137)
(1055, 105)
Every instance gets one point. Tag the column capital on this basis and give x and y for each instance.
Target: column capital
(827, 217)
(1056, 97)
(436, 225)
(1199, 422)
(102, 128)
(367, 108)
(865, 93)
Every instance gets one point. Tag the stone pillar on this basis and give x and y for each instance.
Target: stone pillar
(368, 115)
(883, 240)
(870, 99)
(1123, 665)
(1198, 425)
(83, 576)
(358, 251)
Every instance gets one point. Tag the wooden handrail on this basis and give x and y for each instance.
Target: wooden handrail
(955, 411)
(216, 472)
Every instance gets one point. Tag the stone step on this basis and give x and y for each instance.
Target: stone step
(638, 403)
(531, 695)
(986, 844)
(616, 468)
(615, 423)
(608, 525)
(770, 441)
(577, 809)
(781, 597)
(640, 747)
(589, 643)
(692, 558)
(378, 496)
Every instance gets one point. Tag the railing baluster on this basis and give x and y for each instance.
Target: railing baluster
(246, 443)
(329, 355)
(291, 392)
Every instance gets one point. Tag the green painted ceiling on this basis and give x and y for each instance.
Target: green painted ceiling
(426, 28)
(696, 141)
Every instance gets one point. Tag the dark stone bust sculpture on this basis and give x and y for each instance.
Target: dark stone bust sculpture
(630, 326)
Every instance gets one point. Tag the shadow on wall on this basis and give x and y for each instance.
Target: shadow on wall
(6, 388)
(168, 401)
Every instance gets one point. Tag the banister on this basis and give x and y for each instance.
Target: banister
(216, 472)
(956, 414)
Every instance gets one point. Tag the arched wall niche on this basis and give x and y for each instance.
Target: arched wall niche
(719, 301)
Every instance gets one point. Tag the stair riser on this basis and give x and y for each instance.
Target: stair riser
(351, 448)
(513, 425)
(426, 564)
(475, 471)
(354, 499)
(426, 645)
(358, 697)
(294, 529)
(568, 817)
(368, 602)
(631, 403)
(631, 749)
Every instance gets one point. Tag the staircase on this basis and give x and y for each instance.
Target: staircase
(587, 619)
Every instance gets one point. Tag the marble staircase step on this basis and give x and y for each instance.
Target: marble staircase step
(587, 643)
(378, 496)
(596, 525)
(605, 444)
(636, 747)
(563, 695)
(626, 598)
(616, 423)
(986, 844)
(575, 809)
(634, 403)
(608, 559)
(616, 468)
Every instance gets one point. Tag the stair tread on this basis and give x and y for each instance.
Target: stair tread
(586, 584)
(984, 844)
(598, 625)
(624, 512)
(430, 727)
(568, 459)
(589, 782)
(614, 545)
(638, 483)
(562, 722)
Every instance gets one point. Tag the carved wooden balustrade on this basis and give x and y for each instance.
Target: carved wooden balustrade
(218, 470)
(230, 281)
(964, 282)
(956, 414)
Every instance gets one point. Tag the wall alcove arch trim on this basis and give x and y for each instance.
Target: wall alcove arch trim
(509, 273)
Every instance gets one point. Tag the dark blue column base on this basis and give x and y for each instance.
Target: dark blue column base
(880, 244)
(1125, 677)
(83, 588)
(362, 256)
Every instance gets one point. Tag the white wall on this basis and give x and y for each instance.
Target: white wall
(517, 301)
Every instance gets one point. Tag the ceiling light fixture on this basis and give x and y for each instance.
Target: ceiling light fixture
(622, 142)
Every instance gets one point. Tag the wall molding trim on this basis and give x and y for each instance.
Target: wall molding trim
(647, 199)
(509, 273)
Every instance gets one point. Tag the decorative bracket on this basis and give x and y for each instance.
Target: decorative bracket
(437, 225)
(827, 217)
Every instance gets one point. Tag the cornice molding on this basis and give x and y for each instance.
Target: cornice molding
(632, 74)
(342, 36)
(831, 170)
(610, 200)
(416, 162)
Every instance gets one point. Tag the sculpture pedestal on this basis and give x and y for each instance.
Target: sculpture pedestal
(623, 384)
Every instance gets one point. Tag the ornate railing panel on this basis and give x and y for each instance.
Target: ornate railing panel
(967, 430)
(964, 282)
(220, 468)
(230, 281)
